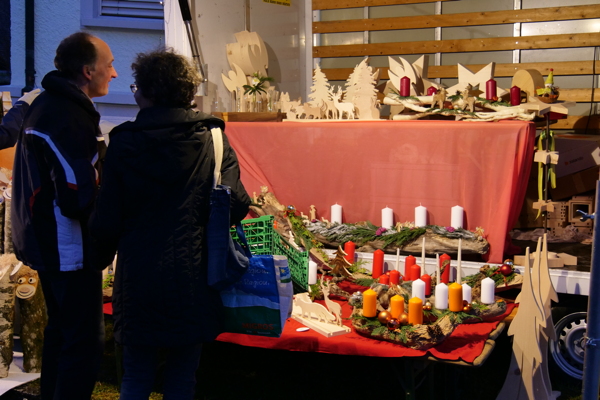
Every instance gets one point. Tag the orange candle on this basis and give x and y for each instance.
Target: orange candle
(427, 279)
(445, 259)
(384, 279)
(408, 261)
(455, 297)
(396, 306)
(415, 311)
(394, 277)
(349, 249)
(415, 272)
(370, 303)
(377, 263)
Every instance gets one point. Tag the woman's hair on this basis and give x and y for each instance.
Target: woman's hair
(166, 78)
(73, 53)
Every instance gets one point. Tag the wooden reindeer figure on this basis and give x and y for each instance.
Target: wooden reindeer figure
(467, 100)
(347, 108)
(439, 98)
(333, 307)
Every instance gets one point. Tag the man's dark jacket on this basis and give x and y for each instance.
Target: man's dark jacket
(152, 209)
(55, 179)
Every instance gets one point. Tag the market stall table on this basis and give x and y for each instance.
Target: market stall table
(365, 166)
(469, 344)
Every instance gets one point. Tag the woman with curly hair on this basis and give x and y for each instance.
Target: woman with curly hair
(152, 209)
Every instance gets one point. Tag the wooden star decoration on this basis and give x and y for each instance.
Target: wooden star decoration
(535, 104)
(468, 77)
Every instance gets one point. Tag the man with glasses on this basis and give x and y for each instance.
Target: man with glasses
(55, 181)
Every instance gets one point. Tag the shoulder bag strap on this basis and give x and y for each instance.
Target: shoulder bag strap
(217, 136)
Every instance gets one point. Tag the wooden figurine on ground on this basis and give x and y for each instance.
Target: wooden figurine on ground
(334, 308)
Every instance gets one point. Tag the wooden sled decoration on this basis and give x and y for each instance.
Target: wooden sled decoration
(316, 316)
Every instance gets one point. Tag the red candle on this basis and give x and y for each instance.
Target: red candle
(490, 90)
(445, 260)
(377, 264)
(415, 272)
(427, 279)
(431, 90)
(405, 86)
(384, 279)
(408, 261)
(515, 96)
(349, 248)
(394, 277)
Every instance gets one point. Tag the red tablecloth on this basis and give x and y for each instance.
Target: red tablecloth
(465, 343)
(365, 166)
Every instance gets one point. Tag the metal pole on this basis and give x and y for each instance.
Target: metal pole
(196, 54)
(591, 363)
(29, 47)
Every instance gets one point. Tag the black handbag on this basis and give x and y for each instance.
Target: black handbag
(227, 260)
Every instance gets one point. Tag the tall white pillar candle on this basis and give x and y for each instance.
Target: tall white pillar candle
(418, 289)
(466, 292)
(387, 217)
(312, 272)
(420, 216)
(488, 290)
(336, 213)
(456, 217)
(441, 296)
(458, 262)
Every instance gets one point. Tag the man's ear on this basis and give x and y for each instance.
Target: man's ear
(87, 72)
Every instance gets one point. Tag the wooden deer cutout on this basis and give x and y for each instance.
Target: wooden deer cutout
(342, 107)
(332, 306)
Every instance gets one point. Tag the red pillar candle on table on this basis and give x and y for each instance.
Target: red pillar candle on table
(414, 272)
(515, 96)
(394, 277)
(384, 279)
(431, 90)
(408, 261)
(369, 303)
(445, 259)
(396, 306)
(490, 90)
(415, 311)
(455, 297)
(405, 86)
(349, 249)
(427, 279)
(377, 263)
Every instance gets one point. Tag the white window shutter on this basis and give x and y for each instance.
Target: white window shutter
(133, 8)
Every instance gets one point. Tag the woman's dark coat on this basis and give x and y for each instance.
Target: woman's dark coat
(152, 209)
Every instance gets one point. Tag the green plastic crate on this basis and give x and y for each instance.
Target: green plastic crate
(263, 239)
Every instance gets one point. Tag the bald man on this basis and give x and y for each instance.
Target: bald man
(55, 180)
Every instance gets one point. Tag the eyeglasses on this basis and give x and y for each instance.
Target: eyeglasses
(133, 88)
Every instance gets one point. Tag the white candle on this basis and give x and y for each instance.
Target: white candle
(437, 267)
(336, 213)
(312, 272)
(398, 259)
(423, 256)
(456, 218)
(441, 296)
(488, 289)
(420, 216)
(387, 217)
(466, 292)
(418, 289)
(458, 262)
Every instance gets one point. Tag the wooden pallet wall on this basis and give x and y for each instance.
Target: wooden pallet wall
(416, 47)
